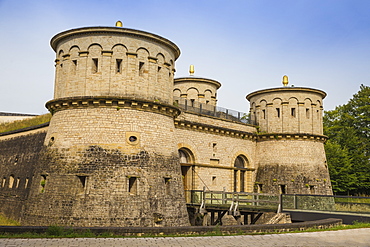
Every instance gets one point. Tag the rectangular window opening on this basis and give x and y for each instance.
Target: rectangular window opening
(95, 65)
(141, 68)
(307, 112)
(278, 112)
(42, 183)
(264, 114)
(159, 68)
(11, 181)
(83, 180)
(292, 111)
(132, 185)
(118, 65)
(17, 183)
(282, 189)
(259, 188)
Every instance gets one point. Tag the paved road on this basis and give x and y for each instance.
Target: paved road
(353, 237)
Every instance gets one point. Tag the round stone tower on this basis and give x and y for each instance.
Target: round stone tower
(111, 157)
(196, 91)
(290, 146)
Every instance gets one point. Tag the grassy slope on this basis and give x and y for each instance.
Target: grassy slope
(20, 124)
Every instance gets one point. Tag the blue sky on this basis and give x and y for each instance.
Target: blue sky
(246, 45)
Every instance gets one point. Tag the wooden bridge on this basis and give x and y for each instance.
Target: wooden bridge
(247, 208)
(238, 204)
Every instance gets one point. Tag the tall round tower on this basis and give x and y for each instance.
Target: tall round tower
(290, 147)
(111, 157)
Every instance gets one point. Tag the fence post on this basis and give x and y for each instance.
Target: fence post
(200, 108)
(295, 201)
(224, 196)
(239, 116)
(227, 113)
(186, 104)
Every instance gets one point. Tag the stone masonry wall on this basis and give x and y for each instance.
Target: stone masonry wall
(215, 153)
(19, 157)
(300, 165)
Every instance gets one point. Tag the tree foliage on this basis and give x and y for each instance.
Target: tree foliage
(348, 149)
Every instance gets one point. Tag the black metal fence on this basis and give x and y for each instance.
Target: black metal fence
(214, 111)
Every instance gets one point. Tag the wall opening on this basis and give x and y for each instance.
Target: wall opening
(240, 164)
(167, 186)
(278, 112)
(293, 112)
(74, 66)
(11, 181)
(42, 183)
(282, 189)
(214, 180)
(95, 65)
(264, 114)
(186, 159)
(118, 66)
(17, 183)
(132, 185)
(141, 68)
(3, 182)
(307, 112)
(259, 188)
(83, 180)
(312, 189)
(26, 183)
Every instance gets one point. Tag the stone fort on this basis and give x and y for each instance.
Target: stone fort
(126, 138)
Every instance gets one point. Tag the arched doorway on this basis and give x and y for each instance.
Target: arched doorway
(240, 165)
(186, 162)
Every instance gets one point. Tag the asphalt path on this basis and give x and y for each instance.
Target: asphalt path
(352, 237)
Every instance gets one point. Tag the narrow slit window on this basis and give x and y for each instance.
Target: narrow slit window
(95, 65)
(17, 183)
(293, 112)
(141, 68)
(214, 180)
(74, 66)
(278, 112)
(159, 68)
(26, 183)
(307, 112)
(167, 185)
(42, 183)
(118, 66)
(3, 183)
(264, 114)
(132, 185)
(11, 181)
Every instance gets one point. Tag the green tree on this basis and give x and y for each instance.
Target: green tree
(348, 149)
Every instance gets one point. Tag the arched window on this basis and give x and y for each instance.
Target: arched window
(240, 164)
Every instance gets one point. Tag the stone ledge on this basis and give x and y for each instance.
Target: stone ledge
(214, 129)
(186, 230)
(112, 102)
(291, 136)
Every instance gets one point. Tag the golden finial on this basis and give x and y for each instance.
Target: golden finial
(191, 70)
(119, 24)
(285, 80)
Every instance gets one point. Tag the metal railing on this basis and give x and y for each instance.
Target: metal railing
(332, 203)
(210, 110)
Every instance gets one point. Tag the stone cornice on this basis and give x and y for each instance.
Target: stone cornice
(291, 136)
(287, 89)
(211, 129)
(112, 102)
(197, 80)
(87, 31)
